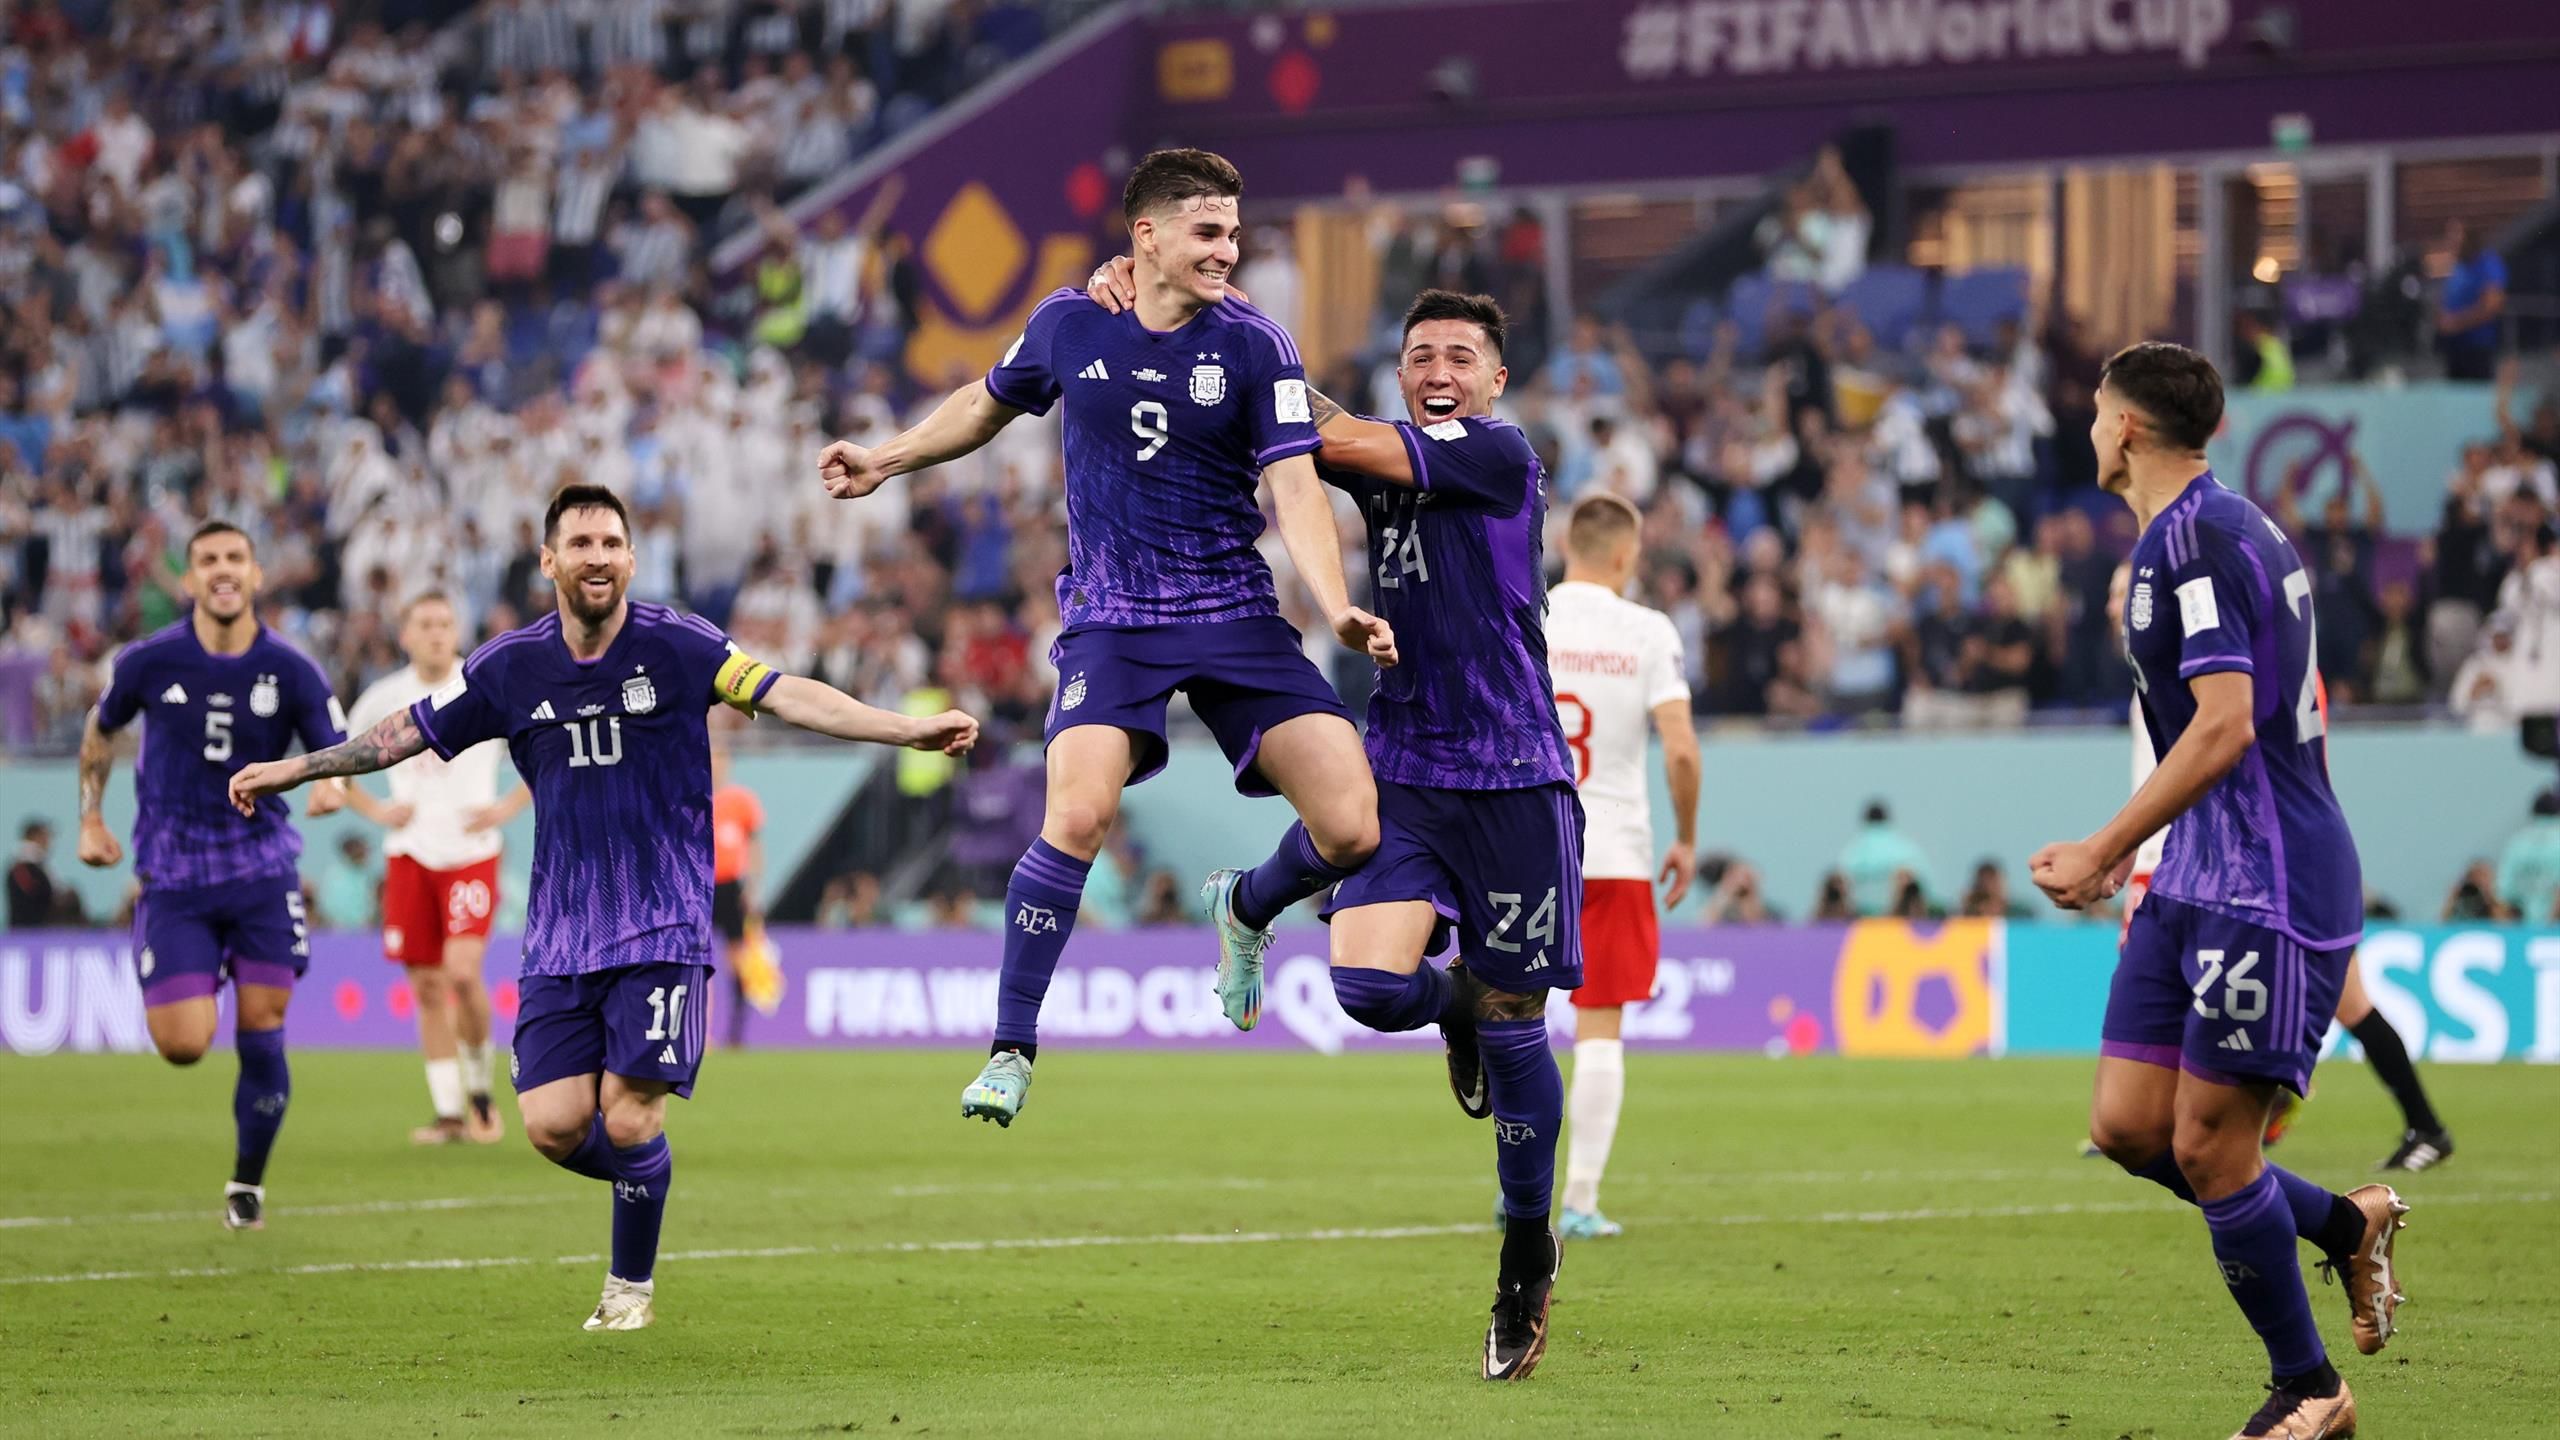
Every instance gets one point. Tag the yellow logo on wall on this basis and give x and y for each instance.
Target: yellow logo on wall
(978, 260)
(1195, 71)
(1885, 969)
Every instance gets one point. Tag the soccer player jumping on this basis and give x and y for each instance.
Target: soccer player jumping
(220, 896)
(1172, 409)
(602, 704)
(2231, 969)
(1481, 832)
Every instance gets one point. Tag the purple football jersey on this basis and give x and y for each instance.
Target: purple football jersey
(618, 754)
(1456, 570)
(1166, 438)
(2217, 588)
(205, 716)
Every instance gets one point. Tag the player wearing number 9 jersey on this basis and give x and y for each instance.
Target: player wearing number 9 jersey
(602, 704)
(2231, 968)
(1174, 408)
(220, 897)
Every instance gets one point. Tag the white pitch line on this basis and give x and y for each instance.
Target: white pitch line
(1238, 1237)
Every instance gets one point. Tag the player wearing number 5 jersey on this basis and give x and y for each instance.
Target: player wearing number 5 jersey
(2231, 969)
(220, 897)
(1173, 408)
(1617, 669)
(602, 705)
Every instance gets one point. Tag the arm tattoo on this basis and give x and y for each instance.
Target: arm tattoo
(1322, 407)
(97, 757)
(385, 745)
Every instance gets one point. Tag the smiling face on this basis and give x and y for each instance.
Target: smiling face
(589, 559)
(1449, 368)
(1191, 243)
(222, 575)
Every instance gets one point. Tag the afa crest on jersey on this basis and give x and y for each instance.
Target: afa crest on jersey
(639, 696)
(262, 697)
(2138, 610)
(1208, 383)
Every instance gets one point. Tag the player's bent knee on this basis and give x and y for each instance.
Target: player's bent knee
(2131, 1145)
(629, 1125)
(1079, 825)
(183, 1051)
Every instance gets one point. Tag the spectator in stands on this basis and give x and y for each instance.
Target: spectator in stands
(1792, 239)
(2529, 866)
(348, 890)
(2394, 662)
(1846, 227)
(1587, 365)
(36, 899)
(2261, 359)
(2485, 689)
(1831, 904)
(1988, 898)
(1731, 887)
(2474, 897)
(1858, 618)
(2540, 437)
(2469, 307)
(851, 901)
(1877, 858)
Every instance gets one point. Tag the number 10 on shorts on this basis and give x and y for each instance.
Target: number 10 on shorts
(2242, 998)
(666, 1012)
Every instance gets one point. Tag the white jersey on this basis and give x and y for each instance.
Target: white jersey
(1613, 661)
(2146, 856)
(439, 792)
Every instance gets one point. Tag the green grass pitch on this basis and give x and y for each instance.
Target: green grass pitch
(1225, 1246)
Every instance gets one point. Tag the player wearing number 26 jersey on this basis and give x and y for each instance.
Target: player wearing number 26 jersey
(2232, 966)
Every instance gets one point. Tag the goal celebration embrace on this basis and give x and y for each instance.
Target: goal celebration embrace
(1511, 716)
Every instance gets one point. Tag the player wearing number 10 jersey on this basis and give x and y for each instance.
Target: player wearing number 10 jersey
(2231, 968)
(602, 706)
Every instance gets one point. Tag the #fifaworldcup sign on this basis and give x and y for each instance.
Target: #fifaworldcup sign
(1779, 37)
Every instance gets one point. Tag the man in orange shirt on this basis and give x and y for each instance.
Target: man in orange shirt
(737, 817)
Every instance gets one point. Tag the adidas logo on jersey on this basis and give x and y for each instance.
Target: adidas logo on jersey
(667, 1056)
(1094, 371)
(174, 695)
(2236, 1040)
(543, 711)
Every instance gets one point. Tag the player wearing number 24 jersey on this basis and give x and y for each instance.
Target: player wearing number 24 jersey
(602, 705)
(2231, 968)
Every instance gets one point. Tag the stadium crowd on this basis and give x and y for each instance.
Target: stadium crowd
(372, 293)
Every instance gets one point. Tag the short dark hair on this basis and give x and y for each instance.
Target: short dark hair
(1169, 177)
(211, 528)
(1877, 814)
(2175, 388)
(1482, 311)
(583, 496)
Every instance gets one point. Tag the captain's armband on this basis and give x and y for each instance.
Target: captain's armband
(742, 681)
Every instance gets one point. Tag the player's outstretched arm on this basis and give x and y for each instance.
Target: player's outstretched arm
(98, 844)
(385, 745)
(1315, 547)
(968, 419)
(1372, 448)
(2075, 874)
(816, 706)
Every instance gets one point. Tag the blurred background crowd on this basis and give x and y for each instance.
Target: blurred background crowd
(372, 280)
